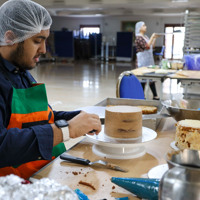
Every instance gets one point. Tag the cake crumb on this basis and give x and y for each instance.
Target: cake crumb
(87, 184)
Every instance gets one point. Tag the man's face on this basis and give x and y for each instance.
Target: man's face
(27, 53)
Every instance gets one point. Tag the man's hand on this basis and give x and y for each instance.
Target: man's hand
(84, 123)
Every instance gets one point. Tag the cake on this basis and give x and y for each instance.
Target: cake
(148, 109)
(188, 134)
(123, 122)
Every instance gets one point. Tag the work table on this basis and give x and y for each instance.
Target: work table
(70, 174)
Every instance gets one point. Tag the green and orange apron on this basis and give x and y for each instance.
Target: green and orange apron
(29, 108)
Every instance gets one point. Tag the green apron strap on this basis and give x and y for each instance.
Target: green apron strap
(58, 149)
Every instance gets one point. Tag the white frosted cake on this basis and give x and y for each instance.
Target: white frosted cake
(188, 134)
(123, 122)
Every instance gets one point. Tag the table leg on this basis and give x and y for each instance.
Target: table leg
(170, 88)
(147, 89)
(185, 90)
(161, 90)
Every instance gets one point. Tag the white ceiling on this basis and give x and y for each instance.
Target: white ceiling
(84, 8)
(119, 7)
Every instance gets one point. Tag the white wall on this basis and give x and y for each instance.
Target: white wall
(111, 25)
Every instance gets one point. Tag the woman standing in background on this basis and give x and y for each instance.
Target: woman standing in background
(144, 48)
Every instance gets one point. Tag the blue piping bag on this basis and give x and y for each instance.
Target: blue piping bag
(81, 195)
(142, 187)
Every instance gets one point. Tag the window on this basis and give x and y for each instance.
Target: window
(86, 30)
(174, 41)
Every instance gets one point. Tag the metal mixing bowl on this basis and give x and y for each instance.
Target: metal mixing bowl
(180, 182)
(178, 113)
(187, 158)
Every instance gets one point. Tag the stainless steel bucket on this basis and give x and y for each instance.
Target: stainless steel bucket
(180, 183)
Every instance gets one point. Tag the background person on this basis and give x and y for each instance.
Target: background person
(144, 48)
(31, 133)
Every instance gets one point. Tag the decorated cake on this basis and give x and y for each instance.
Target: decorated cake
(123, 122)
(188, 134)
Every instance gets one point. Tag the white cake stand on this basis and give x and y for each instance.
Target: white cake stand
(115, 148)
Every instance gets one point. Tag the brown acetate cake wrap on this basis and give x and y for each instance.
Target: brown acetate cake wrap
(123, 122)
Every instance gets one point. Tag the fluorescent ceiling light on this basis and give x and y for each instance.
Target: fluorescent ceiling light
(179, 1)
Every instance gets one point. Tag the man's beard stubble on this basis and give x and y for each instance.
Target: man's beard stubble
(17, 57)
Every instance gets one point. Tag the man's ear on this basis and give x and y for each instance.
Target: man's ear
(9, 37)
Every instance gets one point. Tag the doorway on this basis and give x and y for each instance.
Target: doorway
(86, 30)
(174, 41)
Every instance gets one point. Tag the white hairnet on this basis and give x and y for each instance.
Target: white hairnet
(138, 26)
(22, 19)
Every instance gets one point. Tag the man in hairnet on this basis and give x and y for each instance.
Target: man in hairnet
(31, 133)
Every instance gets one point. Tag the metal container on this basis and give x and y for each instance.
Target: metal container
(149, 123)
(180, 183)
(178, 113)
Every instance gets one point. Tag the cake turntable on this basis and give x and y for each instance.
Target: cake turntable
(117, 148)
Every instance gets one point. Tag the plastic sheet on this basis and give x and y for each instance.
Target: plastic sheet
(14, 187)
(192, 61)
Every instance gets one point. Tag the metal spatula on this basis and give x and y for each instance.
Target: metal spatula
(88, 162)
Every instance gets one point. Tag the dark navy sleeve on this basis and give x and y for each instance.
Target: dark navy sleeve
(65, 115)
(19, 146)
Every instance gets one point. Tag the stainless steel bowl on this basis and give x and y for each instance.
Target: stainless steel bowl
(186, 158)
(179, 113)
(180, 182)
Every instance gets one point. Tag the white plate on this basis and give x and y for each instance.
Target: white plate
(102, 139)
(173, 146)
(158, 171)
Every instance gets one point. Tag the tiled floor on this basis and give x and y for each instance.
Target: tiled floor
(77, 84)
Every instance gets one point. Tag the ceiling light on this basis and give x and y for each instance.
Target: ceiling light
(180, 1)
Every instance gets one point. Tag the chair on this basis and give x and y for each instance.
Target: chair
(161, 54)
(128, 86)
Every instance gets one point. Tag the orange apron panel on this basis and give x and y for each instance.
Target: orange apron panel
(25, 170)
(17, 119)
